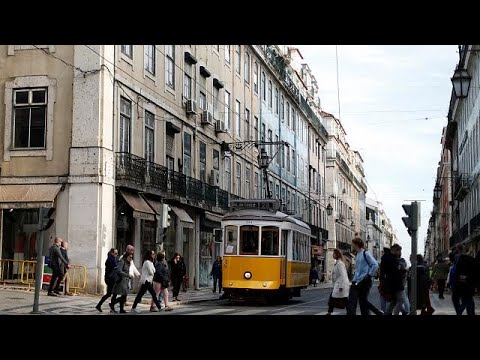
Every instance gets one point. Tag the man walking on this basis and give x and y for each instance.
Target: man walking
(440, 274)
(366, 267)
(56, 262)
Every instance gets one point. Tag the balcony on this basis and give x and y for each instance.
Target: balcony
(461, 187)
(137, 173)
(475, 225)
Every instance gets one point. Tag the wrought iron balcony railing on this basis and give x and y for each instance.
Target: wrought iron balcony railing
(461, 187)
(145, 175)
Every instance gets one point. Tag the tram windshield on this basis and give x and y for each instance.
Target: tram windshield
(249, 240)
(270, 240)
(231, 240)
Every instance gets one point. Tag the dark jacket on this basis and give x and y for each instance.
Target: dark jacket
(465, 275)
(56, 258)
(121, 287)
(63, 267)
(110, 265)
(423, 286)
(162, 273)
(178, 270)
(390, 274)
(216, 269)
(313, 274)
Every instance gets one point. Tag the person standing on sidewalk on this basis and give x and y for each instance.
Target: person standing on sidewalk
(110, 265)
(341, 284)
(465, 280)
(216, 273)
(57, 261)
(397, 284)
(366, 267)
(178, 271)
(146, 280)
(63, 268)
(440, 274)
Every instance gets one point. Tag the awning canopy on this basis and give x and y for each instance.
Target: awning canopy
(213, 217)
(154, 204)
(141, 210)
(183, 217)
(28, 195)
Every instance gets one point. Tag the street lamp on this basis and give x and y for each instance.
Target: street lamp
(352, 224)
(329, 209)
(263, 159)
(437, 192)
(461, 82)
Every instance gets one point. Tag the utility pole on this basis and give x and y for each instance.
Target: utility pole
(412, 223)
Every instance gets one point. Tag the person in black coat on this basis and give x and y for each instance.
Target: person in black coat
(216, 273)
(178, 271)
(57, 263)
(110, 265)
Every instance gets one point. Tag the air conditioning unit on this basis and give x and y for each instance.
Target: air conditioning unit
(220, 126)
(191, 106)
(214, 178)
(207, 117)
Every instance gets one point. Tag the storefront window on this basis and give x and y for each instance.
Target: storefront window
(206, 257)
(249, 240)
(231, 240)
(147, 236)
(20, 231)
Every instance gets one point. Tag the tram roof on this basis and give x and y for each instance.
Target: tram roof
(254, 214)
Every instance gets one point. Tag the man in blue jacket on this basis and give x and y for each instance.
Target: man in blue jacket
(365, 269)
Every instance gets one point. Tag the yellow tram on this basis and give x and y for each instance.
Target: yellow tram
(265, 252)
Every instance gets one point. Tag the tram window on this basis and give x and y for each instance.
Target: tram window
(249, 240)
(269, 240)
(231, 241)
(295, 246)
(283, 247)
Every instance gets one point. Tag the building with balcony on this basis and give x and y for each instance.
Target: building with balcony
(462, 139)
(107, 134)
(345, 191)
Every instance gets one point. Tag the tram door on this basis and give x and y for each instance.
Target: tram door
(284, 252)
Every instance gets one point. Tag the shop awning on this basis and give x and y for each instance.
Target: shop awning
(28, 195)
(141, 210)
(183, 217)
(154, 204)
(213, 217)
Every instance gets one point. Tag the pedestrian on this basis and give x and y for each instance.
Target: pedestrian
(385, 294)
(133, 271)
(440, 274)
(216, 273)
(146, 280)
(396, 284)
(121, 286)
(423, 287)
(177, 271)
(57, 264)
(314, 276)
(110, 265)
(366, 267)
(465, 280)
(341, 284)
(63, 269)
(161, 281)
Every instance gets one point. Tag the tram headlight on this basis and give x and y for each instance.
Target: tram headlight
(247, 275)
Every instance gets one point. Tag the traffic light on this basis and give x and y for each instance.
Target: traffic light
(166, 215)
(412, 221)
(45, 217)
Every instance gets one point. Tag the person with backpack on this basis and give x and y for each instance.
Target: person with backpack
(365, 268)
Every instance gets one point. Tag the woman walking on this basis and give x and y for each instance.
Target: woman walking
(216, 273)
(341, 283)
(146, 280)
(110, 265)
(161, 281)
(122, 278)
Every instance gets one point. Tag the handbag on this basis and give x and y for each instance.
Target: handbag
(339, 303)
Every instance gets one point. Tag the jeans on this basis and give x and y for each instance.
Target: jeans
(122, 300)
(383, 303)
(177, 282)
(400, 304)
(359, 294)
(147, 286)
(56, 275)
(107, 295)
(441, 287)
(219, 280)
(466, 303)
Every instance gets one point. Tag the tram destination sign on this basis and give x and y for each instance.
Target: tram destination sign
(260, 204)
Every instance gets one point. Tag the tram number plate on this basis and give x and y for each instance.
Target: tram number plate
(249, 221)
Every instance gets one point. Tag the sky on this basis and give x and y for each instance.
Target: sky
(393, 105)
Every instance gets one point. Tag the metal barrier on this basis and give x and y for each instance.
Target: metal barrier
(76, 278)
(22, 272)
